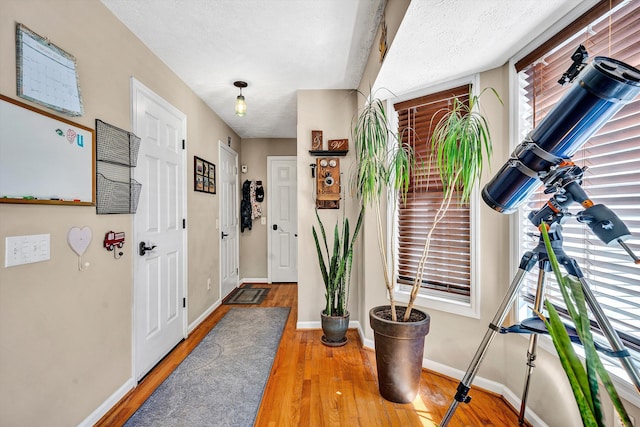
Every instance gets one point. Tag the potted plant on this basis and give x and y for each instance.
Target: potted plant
(335, 267)
(461, 143)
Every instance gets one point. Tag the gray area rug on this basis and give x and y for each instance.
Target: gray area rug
(222, 381)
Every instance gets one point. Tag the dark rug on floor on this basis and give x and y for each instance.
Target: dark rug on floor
(247, 296)
(222, 381)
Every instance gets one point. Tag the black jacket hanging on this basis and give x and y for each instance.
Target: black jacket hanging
(245, 207)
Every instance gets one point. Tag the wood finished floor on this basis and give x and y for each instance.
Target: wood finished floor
(315, 385)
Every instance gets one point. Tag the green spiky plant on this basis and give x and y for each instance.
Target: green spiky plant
(335, 266)
(383, 165)
(460, 146)
(582, 378)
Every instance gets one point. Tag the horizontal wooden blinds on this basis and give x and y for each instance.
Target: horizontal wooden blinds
(613, 175)
(447, 269)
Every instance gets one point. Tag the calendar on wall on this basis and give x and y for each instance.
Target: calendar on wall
(46, 74)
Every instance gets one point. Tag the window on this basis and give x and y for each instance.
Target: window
(612, 156)
(447, 273)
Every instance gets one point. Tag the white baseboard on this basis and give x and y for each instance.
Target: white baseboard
(353, 324)
(108, 404)
(309, 325)
(203, 316)
(253, 280)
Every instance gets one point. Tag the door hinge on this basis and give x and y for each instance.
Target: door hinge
(184, 223)
(183, 144)
(184, 303)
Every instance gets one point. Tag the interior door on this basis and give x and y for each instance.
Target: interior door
(283, 219)
(229, 219)
(159, 271)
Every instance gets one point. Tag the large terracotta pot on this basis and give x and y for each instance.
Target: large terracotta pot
(399, 350)
(335, 329)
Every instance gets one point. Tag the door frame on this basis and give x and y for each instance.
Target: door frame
(223, 147)
(271, 159)
(135, 87)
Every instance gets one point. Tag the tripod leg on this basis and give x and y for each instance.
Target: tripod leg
(609, 332)
(526, 263)
(533, 343)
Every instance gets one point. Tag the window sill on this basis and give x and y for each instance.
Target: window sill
(437, 302)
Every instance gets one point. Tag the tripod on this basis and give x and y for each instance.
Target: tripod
(565, 181)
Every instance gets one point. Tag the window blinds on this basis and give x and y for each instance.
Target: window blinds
(447, 269)
(612, 156)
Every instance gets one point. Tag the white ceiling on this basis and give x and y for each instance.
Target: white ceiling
(281, 46)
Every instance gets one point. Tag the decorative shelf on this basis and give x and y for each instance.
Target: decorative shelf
(339, 153)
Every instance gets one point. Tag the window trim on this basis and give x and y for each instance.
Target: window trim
(433, 300)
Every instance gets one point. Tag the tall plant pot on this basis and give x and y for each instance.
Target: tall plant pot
(335, 329)
(399, 351)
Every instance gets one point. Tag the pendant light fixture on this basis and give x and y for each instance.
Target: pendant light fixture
(241, 105)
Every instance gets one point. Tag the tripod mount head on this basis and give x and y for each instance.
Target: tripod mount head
(564, 182)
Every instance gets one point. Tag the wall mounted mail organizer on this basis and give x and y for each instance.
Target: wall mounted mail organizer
(44, 158)
(117, 153)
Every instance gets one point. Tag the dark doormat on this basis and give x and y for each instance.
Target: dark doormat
(247, 296)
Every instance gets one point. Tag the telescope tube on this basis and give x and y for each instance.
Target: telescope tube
(603, 88)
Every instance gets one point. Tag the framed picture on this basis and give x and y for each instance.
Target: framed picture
(204, 176)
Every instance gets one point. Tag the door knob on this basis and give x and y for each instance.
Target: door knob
(275, 226)
(143, 248)
(224, 234)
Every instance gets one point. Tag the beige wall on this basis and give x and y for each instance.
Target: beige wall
(393, 14)
(65, 335)
(330, 111)
(253, 243)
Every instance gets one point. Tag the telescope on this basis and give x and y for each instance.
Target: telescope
(544, 157)
(603, 88)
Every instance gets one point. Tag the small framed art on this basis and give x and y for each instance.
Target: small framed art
(204, 176)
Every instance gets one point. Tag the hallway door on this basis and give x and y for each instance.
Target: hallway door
(159, 313)
(282, 234)
(229, 219)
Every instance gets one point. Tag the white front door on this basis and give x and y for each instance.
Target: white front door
(283, 219)
(229, 219)
(159, 314)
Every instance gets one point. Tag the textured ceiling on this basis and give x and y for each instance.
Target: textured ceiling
(276, 46)
(441, 40)
(281, 46)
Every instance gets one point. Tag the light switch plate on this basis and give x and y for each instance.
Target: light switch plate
(27, 249)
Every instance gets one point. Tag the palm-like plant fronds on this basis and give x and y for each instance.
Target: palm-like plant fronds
(460, 145)
(383, 165)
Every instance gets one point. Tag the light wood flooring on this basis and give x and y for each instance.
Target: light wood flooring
(315, 385)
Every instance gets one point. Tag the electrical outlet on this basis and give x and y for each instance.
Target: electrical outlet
(617, 421)
(209, 284)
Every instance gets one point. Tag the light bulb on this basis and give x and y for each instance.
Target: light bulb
(241, 106)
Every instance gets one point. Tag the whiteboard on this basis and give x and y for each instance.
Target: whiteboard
(44, 158)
